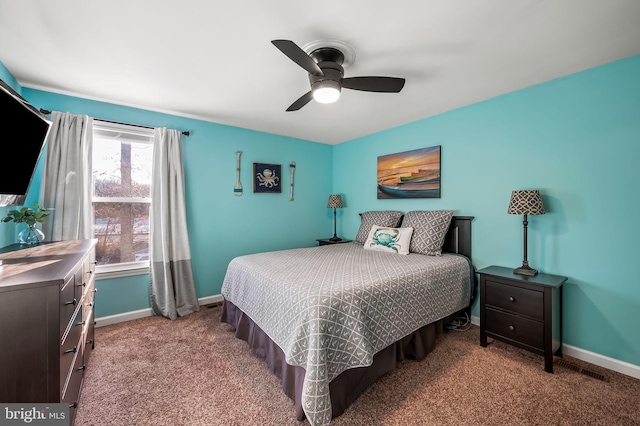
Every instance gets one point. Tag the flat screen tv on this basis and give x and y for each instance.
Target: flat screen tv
(23, 131)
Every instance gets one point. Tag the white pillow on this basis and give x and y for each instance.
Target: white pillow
(390, 240)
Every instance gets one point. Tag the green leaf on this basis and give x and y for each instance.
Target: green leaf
(27, 215)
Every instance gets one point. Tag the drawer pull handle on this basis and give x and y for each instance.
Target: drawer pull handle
(74, 405)
(512, 328)
(81, 368)
(512, 299)
(71, 302)
(71, 351)
(89, 342)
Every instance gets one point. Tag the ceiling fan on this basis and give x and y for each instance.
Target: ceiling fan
(326, 74)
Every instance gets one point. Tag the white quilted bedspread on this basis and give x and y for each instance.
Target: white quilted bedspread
(331, 308)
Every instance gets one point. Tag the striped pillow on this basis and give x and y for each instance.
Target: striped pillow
(382, 218)
(429, 230)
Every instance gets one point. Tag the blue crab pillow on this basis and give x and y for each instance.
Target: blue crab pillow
(391, 240)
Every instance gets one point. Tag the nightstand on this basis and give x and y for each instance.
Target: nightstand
(327, 241)
(523, 311)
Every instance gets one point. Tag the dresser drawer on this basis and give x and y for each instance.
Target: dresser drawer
(89, 341)
(515, 299)
(68, 303)
(89, 298)
(71, 393)
(515, 328)
(70, 347)
(89, 266)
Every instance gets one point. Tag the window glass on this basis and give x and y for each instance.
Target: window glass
(122, 159)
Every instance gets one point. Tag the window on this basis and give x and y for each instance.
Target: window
(122, 160)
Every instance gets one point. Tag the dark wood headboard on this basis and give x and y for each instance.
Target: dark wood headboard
(458, 238)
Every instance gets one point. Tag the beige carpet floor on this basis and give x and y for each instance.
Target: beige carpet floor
(193, 371)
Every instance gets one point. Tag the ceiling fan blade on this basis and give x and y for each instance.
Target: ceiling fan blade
(299, 56)
(374, 84)
(302, 101)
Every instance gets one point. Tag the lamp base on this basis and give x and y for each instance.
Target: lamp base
(525, 270)
(335, 238)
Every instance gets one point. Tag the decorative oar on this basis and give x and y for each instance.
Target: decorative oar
(237, 190)
(292, 169)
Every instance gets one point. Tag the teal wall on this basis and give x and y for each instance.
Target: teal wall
(221, 225)
(577, 140)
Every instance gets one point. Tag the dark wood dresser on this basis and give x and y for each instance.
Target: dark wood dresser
(522, 310)
(46, 321)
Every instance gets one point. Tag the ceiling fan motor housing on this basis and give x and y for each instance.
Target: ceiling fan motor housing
(330, 62)
(331, 70)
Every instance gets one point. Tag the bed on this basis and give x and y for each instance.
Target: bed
(330, 320)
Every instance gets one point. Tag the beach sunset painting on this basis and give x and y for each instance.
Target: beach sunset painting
(410, 174)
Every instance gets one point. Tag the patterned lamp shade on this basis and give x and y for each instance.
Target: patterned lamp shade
(526, 202)
(335, 201)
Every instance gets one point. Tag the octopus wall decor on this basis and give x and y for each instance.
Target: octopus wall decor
(266, 177)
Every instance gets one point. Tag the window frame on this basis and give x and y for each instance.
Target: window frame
(123, 269)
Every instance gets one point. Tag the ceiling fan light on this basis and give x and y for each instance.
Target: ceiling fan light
(326, 91)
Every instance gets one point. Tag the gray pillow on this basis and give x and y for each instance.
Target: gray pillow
(384, 218)
(429, 230)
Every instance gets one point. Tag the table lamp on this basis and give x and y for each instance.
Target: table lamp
(525, 202)
(335, 202)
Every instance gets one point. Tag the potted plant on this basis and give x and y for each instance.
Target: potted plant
(31, 235)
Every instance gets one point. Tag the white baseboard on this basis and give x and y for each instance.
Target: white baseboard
(592, 357)
(141, 313)
(602, 361)
(210, 299)
(125, 316)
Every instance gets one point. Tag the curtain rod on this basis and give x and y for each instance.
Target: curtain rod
(47, 112)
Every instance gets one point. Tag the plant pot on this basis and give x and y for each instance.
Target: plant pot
(31, 236)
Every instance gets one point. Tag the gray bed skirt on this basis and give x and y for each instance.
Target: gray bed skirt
(345, 388)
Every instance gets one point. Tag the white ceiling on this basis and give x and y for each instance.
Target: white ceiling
(213, 60)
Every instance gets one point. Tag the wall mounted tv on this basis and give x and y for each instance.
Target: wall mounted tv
(23, 131)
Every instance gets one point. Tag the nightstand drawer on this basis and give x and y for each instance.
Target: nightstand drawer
(515, 299)
(515, 328)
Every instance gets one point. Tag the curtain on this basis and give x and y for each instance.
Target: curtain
(173, 291)
(66, 183)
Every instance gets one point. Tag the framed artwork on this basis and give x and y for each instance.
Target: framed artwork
(266, 177)
(410, 174)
